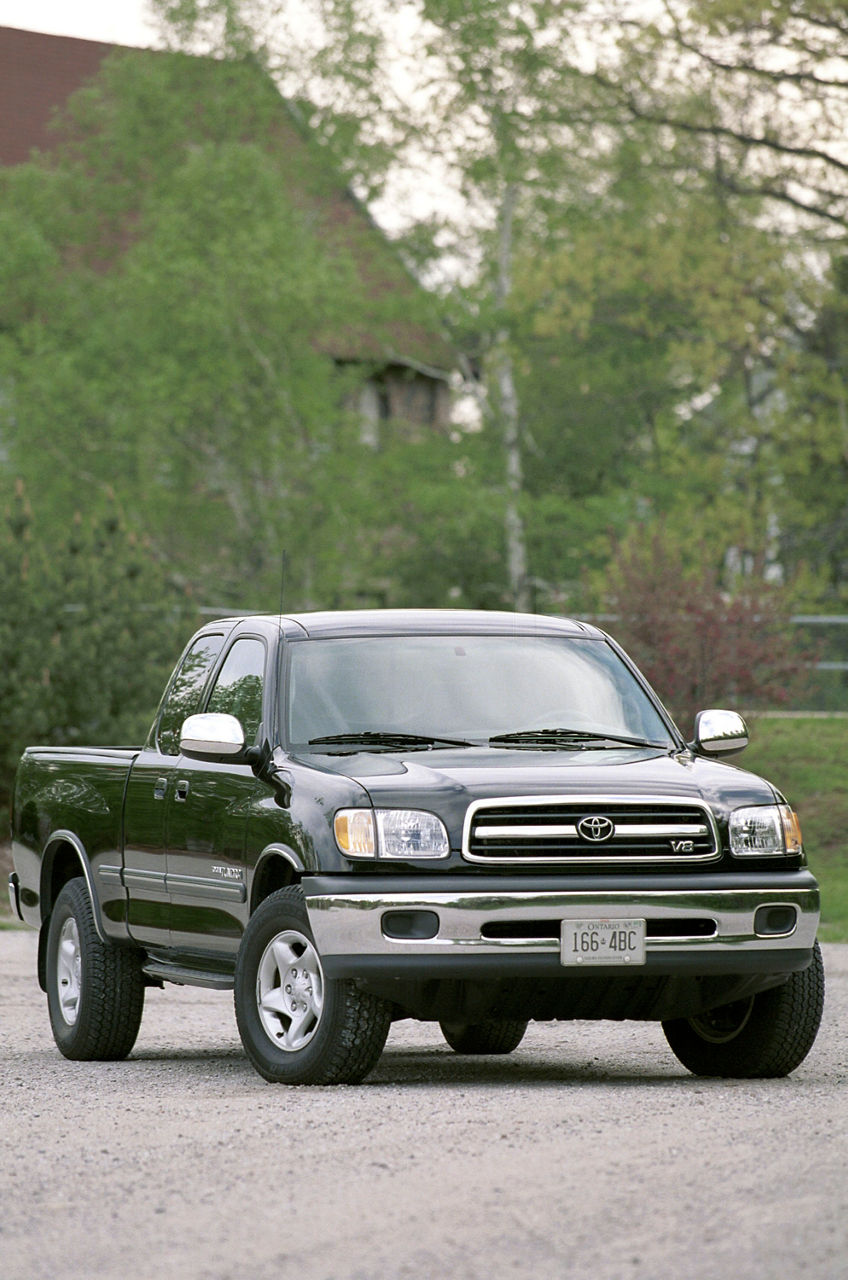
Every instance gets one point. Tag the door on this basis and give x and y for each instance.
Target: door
(150, 788)
(208, 811)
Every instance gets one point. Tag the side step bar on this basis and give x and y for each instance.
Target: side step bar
(185, 976)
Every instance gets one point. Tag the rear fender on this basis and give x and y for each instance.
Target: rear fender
(64, 858)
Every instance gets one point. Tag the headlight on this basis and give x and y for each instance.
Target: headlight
(354, 830)
(390, 833)
(765, 831)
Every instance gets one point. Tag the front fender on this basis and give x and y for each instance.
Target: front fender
(277, 866)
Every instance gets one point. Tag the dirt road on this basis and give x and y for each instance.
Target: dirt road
(587, 1153)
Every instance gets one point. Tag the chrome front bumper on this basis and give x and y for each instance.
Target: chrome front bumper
(706, 924)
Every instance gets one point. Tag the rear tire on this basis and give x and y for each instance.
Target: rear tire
(768, 1035)
(495, 1035)
(95, 990)
(298, 1026)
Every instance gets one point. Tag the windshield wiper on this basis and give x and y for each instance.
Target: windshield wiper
(566, 739)
(373, 740)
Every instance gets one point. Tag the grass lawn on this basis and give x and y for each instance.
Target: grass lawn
(806, 757)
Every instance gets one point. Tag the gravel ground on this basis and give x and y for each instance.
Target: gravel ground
(587, 1153)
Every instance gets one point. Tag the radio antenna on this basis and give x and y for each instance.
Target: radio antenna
(284, 564)
(279, 694)
(283, 568)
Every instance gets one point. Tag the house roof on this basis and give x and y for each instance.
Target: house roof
(39, 72)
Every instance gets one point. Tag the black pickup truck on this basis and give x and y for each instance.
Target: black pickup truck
(475, 819)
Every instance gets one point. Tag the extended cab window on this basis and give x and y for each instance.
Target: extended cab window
(238, 686)
(184, 697)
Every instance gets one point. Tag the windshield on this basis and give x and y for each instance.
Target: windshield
(464, 688)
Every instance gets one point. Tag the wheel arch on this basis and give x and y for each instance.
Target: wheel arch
(64, 858)
(277, 867)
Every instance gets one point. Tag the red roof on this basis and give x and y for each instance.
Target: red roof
(38, 73)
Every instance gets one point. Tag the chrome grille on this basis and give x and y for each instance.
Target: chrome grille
(589, 831)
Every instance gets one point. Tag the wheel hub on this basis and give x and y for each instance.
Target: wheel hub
(290, 990)
(299, 988)
(69, 971)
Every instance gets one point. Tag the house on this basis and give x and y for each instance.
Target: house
(409, 365)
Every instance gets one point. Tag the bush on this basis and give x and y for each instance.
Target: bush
(89, 630)
(697, 644)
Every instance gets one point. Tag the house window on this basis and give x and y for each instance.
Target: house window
(373, 409)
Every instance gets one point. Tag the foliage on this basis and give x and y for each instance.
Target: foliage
(172, 338)
(763, 88)
(698, 645)
(494, 99)
(634, 303)
(813, 449)
(646, 337)
(652, 332)
(88, 633)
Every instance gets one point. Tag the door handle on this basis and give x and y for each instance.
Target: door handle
(182, 789)
(159, 788)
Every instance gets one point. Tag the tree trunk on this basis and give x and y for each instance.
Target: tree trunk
(516, 541)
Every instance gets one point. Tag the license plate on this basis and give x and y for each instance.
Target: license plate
(594, 942)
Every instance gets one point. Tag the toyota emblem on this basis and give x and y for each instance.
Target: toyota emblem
(596, 829)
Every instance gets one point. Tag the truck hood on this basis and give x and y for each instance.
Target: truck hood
(447, 781)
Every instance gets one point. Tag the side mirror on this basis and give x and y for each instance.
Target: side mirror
(210, 736)
(719, 733)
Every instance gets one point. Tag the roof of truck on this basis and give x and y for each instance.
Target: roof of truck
(369, 622)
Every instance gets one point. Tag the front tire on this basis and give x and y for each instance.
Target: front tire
(766, 1036)
(95, 990)
(495, 1035)
(298, 1026)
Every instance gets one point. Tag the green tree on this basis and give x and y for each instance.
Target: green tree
(637, 323)
(635, 300)
(763, 87)
(813, 449)
(175, 353)
(178, 297)
(654, 331)
(88, 634)
(498, 101)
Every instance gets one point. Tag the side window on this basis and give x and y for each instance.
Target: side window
(184, 697)
(238, 687)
